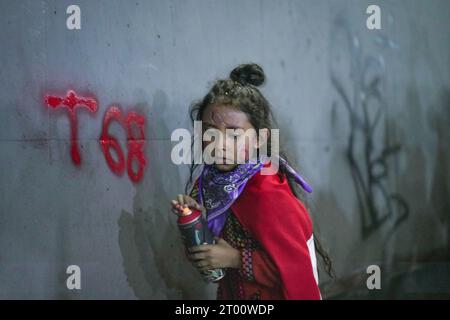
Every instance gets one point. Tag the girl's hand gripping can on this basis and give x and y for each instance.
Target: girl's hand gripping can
(195, 231)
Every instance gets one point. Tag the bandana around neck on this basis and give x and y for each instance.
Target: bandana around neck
(217, 190)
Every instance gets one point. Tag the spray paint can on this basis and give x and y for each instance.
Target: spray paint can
(195, 231)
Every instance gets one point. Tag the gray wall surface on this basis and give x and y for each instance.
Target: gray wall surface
(365, 113)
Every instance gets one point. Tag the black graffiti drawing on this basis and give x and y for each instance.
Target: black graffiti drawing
(367, 156)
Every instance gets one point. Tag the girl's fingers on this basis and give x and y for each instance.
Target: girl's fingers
(200, 248)
(196, 205)
(177, 208)
(190, 202)
(205, 268)
(197, 256)
(183, 201)
(174, 204)
(202, 264)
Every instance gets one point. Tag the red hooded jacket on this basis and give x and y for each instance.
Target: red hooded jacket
(283, 265)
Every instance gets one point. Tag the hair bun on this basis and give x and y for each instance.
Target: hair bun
(250, 73)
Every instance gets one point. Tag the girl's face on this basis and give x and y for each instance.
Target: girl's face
(229, 144)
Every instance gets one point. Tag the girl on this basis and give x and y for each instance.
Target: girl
(264, 237)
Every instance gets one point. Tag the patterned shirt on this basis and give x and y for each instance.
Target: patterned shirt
(257, 278)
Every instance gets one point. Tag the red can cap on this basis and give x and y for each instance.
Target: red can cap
(188, 217)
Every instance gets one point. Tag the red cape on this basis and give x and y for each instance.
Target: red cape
(279, 221)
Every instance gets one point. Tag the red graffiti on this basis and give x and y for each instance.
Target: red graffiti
(135, 143)
(108, 141)
(71, 101)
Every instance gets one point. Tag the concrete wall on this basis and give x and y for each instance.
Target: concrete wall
(329, 79)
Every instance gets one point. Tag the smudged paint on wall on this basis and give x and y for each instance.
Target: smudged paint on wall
(365, 106)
